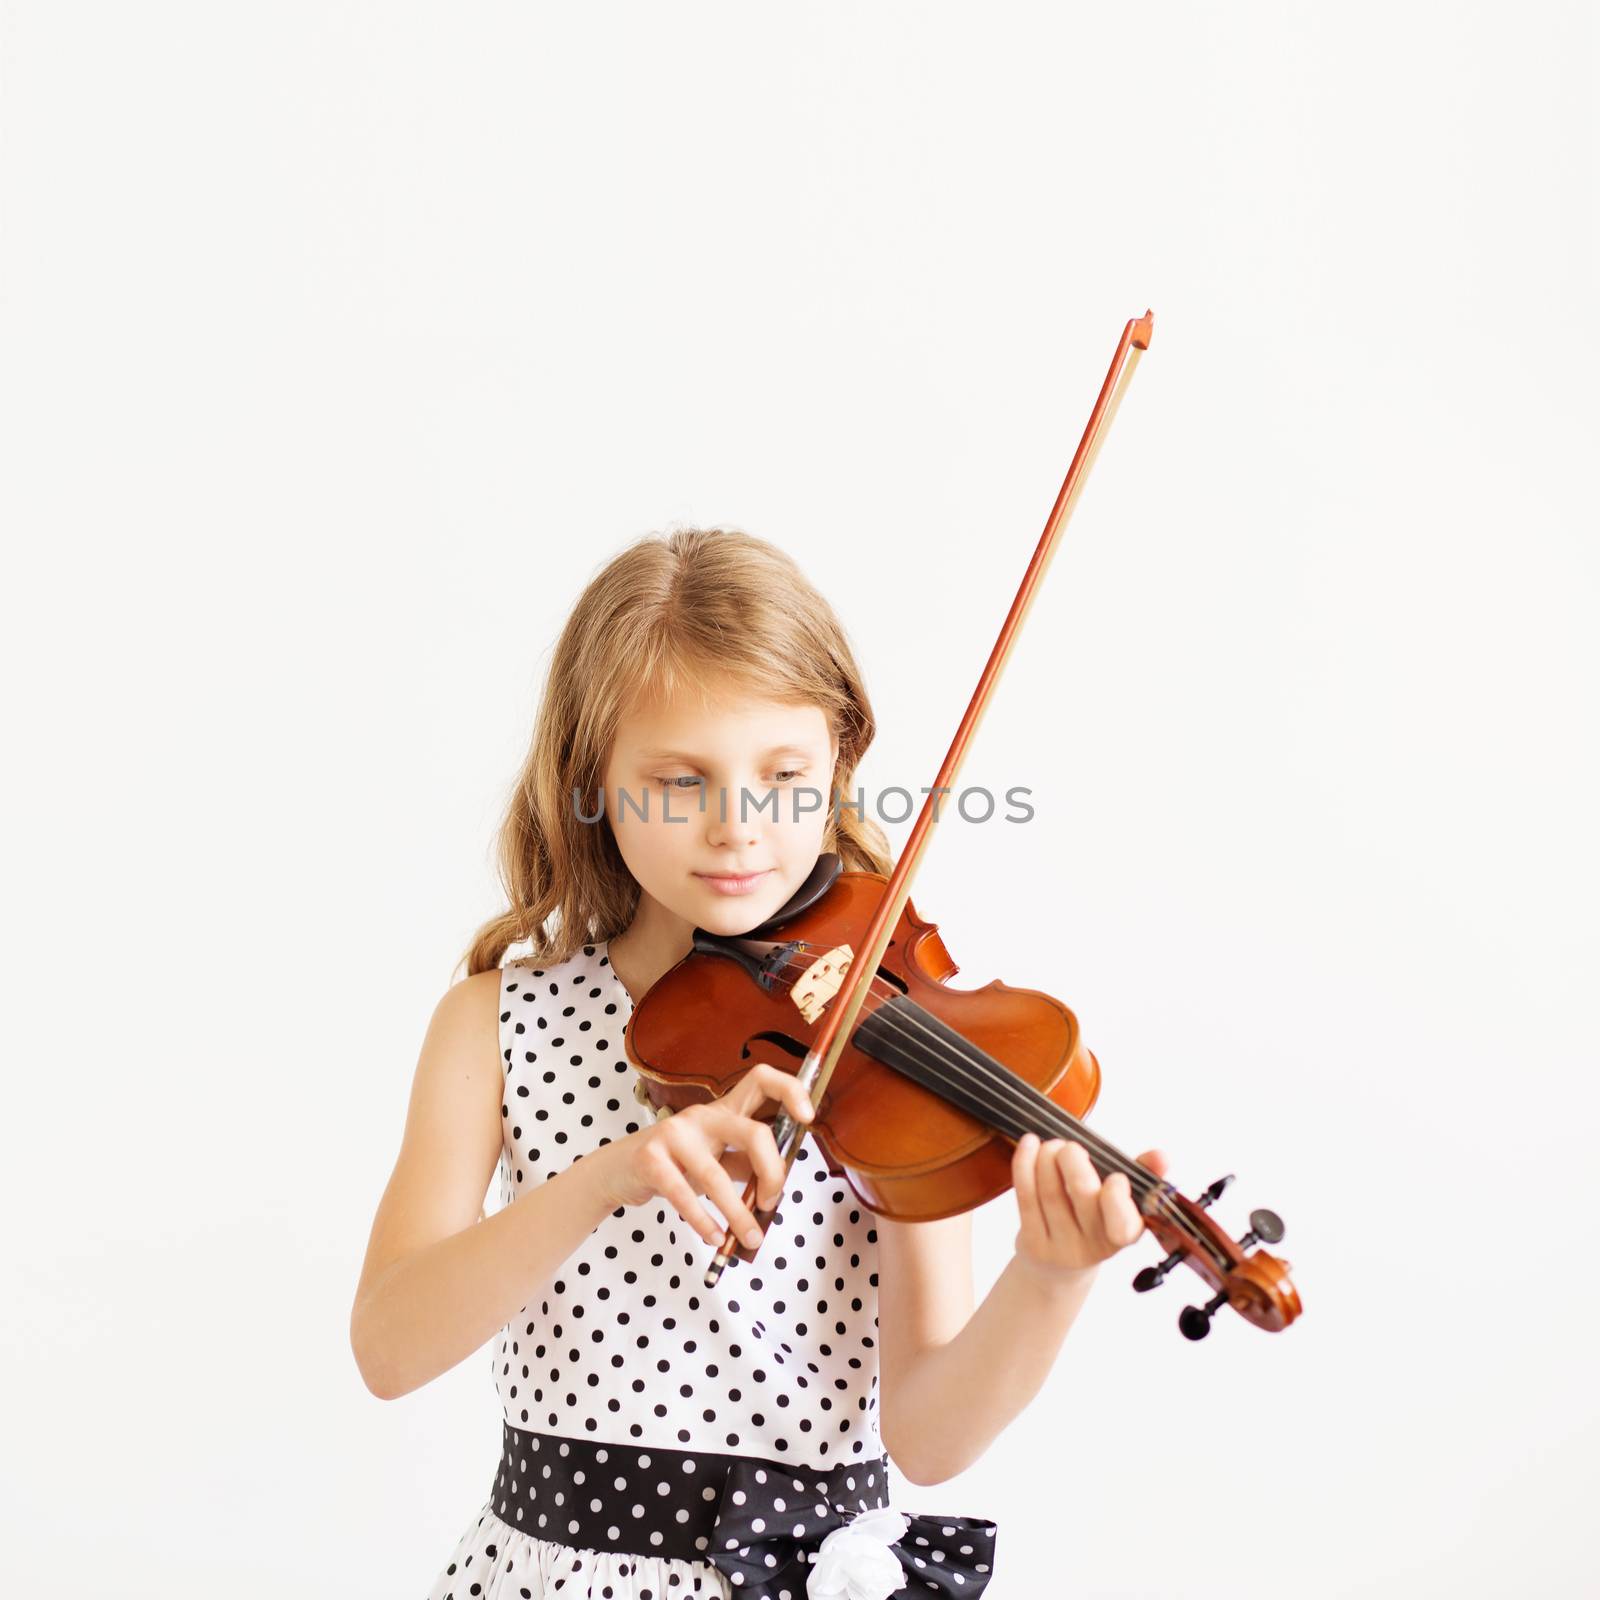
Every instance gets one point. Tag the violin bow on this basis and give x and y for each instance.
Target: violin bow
(840, 1017)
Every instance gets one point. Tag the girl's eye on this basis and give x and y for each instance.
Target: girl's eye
(783, 776)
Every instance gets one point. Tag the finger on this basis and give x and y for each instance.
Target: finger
(1082, 1184)
(765, 1082)
(1120, 1221)
(693, 1142)
(1156, 1161)
(1025, 1180)
(753, 1089)
(1055, 1203)
(757, 1141)
(706, 1174)
(671, 1184)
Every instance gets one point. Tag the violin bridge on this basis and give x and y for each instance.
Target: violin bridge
(820, 982)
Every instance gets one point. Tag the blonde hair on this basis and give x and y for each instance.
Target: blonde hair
(691, 611)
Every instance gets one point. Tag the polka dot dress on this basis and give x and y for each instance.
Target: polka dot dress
(628, 1388)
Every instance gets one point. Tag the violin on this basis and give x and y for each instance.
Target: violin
(921, 1089)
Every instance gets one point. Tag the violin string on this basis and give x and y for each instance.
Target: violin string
(1141, 1180)
(1023, 1096)
(1019, 1098)
(1059, 1122)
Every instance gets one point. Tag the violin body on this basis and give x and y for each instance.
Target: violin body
(905, 1151)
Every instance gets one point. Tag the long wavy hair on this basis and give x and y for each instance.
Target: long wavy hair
(691, 611)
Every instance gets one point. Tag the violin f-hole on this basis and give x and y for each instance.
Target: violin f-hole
(785, 1042)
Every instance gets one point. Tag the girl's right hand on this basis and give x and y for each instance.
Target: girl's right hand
(703, 1149)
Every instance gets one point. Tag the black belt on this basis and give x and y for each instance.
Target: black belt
(761, 1522)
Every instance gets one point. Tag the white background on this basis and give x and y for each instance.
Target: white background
(342, 343)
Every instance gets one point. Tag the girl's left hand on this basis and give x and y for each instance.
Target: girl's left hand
(1071, 1221)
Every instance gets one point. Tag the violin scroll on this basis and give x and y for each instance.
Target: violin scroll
(1257, 1285)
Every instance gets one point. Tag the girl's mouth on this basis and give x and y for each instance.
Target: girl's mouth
(725, 883)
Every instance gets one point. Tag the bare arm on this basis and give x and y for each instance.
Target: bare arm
(437, 1283)
(953, 1378)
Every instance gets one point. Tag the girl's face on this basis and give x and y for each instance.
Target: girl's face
(739, 790)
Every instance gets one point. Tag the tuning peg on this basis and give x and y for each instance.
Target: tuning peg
(1194, 1322)
(1152, 1276)
(1266, 1227)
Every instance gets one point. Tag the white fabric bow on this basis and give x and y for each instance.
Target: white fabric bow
(855, 1562)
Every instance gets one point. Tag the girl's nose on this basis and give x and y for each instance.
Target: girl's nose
(740, 826)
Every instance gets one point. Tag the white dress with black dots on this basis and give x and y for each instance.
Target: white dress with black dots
(629, 1390)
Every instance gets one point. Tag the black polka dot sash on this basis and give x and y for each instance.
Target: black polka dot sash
(764, 1524)
(779, 1536)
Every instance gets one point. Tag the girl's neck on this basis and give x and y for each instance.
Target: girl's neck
(653, 943)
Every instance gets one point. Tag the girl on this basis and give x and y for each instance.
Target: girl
(660, 1439)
